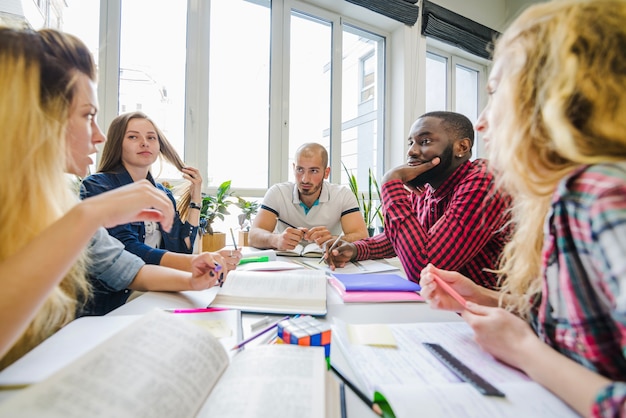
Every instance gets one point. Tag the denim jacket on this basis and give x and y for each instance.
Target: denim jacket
(133, 234)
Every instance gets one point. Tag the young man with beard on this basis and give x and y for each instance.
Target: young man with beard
(311, 209)
(439, 207)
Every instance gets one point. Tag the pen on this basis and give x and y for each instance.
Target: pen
(374, 406)
(331, 248)
(286, 223)
(268, 329)
(232, 235)
(254, 259)
(196, 310)
(218, 268)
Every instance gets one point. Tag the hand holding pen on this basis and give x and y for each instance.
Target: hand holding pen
(207, 269)
(340, 255)
(332, 246)
(290, 237)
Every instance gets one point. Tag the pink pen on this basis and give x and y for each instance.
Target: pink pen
(196, 310)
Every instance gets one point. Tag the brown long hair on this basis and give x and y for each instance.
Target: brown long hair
(112, 153)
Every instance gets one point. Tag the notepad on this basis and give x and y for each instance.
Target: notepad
(310, 250)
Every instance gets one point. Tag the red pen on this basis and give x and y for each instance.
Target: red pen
(196, 310)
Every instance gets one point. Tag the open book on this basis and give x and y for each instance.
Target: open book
(162, 367)
(310, 250)
(408, 376)
(300, 291)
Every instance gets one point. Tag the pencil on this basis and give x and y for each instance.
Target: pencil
(286, 223)
(331, 248)
(374, 406)
(257, 335)
(232, 235)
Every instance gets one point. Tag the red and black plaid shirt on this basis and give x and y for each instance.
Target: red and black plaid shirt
(458, 226)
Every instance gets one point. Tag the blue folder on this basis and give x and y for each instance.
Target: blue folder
(378, 282)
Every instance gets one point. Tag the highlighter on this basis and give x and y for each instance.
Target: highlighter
(254, 259)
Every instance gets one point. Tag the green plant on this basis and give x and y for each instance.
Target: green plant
(366, 203)
(214, 207)
(248, 209)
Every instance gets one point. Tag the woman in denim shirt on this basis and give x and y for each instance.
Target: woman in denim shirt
(134, 143)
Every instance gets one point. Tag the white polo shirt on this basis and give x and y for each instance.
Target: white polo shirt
(335, 201)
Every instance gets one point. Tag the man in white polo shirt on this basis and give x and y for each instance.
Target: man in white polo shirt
(311, 209)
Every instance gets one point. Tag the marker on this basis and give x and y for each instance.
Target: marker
(254, 259)
(263, 321)
(196, 310)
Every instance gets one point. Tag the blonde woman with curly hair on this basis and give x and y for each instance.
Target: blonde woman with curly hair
(50, 242)
(556, 131)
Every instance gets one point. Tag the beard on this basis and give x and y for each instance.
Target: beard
(436, 173)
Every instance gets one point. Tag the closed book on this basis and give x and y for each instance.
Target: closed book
(376, 282)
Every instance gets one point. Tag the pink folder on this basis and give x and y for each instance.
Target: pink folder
(373, 296)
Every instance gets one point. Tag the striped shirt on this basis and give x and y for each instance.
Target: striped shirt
(582, 313)
(458, 226)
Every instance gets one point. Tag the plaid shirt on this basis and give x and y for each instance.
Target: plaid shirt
(583, 311)
(458, 226)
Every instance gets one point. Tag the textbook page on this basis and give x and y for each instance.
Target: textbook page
(270, 381)
(411, 365)
(158, 367)
(84, 334)
(291, 292)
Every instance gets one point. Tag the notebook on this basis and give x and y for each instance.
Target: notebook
(376, 282)
(373, 296)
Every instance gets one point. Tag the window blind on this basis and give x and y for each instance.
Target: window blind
(452, 28)
(405, 11)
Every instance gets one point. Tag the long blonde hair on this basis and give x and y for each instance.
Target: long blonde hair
(567, 107)
(37, 78)
(111, 157)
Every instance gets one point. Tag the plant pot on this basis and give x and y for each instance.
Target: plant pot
(213, 242)
(371, 231)
(242, 240)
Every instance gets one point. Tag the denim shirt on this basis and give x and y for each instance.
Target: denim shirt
(133, 234)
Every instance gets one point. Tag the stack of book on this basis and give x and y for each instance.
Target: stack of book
(375, 287)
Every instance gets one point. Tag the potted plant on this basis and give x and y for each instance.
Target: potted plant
(366, 203)
(248, 209)
(214, 207)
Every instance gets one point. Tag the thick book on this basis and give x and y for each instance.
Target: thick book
(84, 334)
(310, 250)
(163, 367)
(357, 296)
(300, 291)
(408, 376)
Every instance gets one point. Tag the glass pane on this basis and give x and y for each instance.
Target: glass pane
(152, 68)
(436, 82)
(239, 93)
(362, 85)
(466, 94)
(309, 83)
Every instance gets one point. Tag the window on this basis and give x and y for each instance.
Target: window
(456, 84)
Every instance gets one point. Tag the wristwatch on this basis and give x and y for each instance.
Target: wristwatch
(194, 205)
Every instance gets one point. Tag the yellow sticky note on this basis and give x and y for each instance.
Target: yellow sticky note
(379, 335)
(218, 328)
